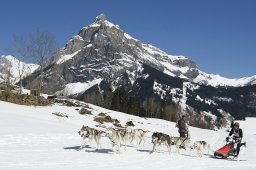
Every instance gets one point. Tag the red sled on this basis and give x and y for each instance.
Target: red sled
(225, 151)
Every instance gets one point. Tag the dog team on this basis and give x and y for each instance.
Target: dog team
(122, 136)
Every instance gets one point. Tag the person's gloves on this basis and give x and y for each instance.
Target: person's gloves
(238, 139)
(227, 139)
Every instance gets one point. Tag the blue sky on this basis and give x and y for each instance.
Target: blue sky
(219, 35)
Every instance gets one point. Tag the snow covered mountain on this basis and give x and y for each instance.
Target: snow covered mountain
(105, 66)
(10, 65)
(103, 49)
(128, 51)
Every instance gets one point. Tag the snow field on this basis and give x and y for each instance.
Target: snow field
(33, 138)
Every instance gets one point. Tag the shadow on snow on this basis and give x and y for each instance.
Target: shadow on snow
(77, 148)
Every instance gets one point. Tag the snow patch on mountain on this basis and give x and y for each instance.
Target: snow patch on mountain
(77, 37)
(76, 88)
(192, 86)
(199, 98)
(67, 57)
(111, 24)
(209, 114)
(153, 50)
(225, 99)
(159, 90)
(147, 57)
(183, 100)
(170, 69)
(209, 102)
(130, 37)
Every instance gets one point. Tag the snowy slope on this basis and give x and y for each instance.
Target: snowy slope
(33, 138)
(11, 64)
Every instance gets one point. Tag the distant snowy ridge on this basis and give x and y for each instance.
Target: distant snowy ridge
(217, 80)
(11, 64)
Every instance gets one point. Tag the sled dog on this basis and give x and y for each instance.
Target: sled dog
(200, 146)
(115, 136)
(159, 138)
(88, 134)
(139, 135)
(180, 142)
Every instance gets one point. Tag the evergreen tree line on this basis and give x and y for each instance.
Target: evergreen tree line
(119, 100)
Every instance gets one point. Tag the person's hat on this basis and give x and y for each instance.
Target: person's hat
(236, 124)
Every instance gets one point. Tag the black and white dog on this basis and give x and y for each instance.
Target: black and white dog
(200, 146)
(88, 134)
(159, 138)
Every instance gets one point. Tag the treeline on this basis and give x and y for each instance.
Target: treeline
(119, 100)
(149, 107)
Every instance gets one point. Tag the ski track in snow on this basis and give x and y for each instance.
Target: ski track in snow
(32, 138)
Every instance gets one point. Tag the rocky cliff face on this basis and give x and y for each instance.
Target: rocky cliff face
(106, 66)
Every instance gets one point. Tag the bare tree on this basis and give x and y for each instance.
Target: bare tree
(20, 51)
(42, 45)
(8, 81)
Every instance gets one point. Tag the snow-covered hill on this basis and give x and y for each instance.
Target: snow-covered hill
(11, 65)
(34, 138)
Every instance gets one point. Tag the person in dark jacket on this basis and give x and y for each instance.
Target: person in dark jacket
(183, 128)
(232, 124)
(237, 134)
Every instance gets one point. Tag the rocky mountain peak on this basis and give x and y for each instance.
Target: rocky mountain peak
(101, 18)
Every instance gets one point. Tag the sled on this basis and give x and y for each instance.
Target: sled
(226, 151)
